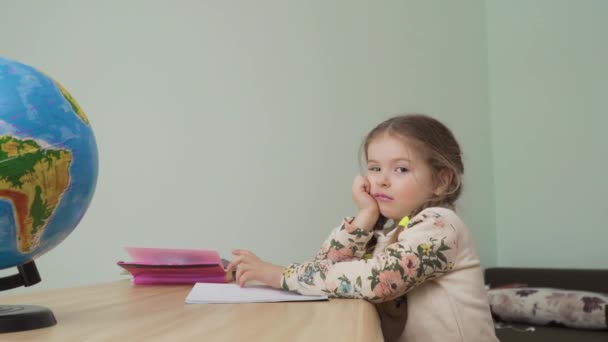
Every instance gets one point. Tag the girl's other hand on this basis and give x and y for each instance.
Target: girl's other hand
(249, 267)
(368, 207)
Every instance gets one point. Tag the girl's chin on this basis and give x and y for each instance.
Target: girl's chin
(390, 215)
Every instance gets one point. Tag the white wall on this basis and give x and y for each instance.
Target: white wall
(549, 81)
(237, 124)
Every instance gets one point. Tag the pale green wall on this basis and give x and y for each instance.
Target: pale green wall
(549, 92)
(268, 101)
(225, 124)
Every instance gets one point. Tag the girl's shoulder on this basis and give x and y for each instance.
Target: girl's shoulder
(438, 216)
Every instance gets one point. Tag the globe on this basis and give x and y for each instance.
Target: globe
(48, 163)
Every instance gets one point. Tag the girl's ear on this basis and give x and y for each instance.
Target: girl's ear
(444, 181)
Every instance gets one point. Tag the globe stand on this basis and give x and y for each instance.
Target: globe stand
(23, 317)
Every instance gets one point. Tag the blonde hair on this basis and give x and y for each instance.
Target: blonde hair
(438, 147)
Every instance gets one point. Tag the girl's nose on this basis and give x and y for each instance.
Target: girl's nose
(382, 181)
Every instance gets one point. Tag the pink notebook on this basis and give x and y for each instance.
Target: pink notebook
(174, 266)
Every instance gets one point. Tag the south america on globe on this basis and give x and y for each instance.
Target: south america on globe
(48, 163)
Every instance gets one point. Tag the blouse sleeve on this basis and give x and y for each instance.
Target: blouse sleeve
(424, 251)
(345, 242)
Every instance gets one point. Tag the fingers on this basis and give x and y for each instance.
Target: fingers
(246, 264)
(366, 184)
(245, 273)
(245, 254)
(361, 189)
(366, 187)
(243, 276)
(240, 256)
(234, 263)
(362, 183)
(239, 273)
(238, 265)
(231, 266)
(242, 252)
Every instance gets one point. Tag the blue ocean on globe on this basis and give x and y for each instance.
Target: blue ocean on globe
(48, 163)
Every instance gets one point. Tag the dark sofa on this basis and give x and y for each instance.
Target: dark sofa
(595, 280)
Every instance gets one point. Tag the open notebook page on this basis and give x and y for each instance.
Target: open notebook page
(231, 293)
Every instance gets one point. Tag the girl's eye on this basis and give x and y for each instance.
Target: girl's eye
(373, 168)
(401, 169)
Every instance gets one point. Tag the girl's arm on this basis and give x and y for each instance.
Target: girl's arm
(425, 251)
(346, 242)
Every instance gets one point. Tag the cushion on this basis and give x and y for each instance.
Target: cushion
(548, 306)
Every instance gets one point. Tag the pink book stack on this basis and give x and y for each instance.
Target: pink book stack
(174, 266)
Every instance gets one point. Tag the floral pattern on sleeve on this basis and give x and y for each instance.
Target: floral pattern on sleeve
(346, 242)
(424, 251)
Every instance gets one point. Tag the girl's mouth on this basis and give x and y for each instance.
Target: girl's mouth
(382, 198)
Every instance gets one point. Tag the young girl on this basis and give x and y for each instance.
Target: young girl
(414, 170)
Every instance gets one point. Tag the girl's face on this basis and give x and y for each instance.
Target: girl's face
(400, 178)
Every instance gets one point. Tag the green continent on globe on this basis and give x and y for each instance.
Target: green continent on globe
(32, 179)
(75, 106)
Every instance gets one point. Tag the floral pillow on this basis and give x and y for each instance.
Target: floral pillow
(546, 306)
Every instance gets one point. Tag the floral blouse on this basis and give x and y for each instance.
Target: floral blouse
(425, 250)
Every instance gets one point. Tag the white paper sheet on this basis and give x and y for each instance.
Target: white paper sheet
(203, 293)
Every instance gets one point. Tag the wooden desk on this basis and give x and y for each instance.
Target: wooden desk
(119, 311)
